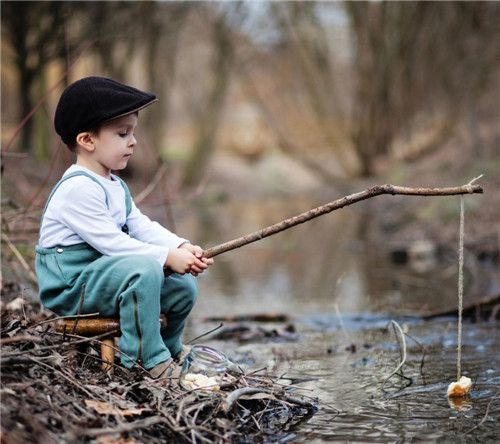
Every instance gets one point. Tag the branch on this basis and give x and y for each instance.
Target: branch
(152, 185)
(335, 205)
(19, 256)
(40, 102)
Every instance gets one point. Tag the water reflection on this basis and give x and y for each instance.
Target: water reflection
(342, 258)
(348, 380)
(461, 403)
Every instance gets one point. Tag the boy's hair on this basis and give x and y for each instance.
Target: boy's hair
(94, 131)
(73, 144)
(88, 102)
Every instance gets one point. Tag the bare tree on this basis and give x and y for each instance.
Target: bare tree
(36, 33)
(416, 56)
(207, 119)
(40, 33)
(411, 64)
(306, 42)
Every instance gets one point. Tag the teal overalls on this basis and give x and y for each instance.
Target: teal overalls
(78, 279)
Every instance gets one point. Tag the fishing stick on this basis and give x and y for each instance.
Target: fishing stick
(335, 205)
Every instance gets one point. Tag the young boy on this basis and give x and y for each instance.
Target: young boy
(97, 252)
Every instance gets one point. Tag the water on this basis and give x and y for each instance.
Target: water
(404, 410)
(347, 369)
(336, 280)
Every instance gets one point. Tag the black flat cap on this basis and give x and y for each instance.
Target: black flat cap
(93, 100)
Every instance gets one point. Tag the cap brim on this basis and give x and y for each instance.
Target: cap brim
(135, 110)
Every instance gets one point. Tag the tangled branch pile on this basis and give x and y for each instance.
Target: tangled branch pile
(53, 391)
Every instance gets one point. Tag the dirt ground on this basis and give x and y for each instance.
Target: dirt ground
(53, 390)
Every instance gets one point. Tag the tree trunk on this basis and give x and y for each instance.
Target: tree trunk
(209, 118)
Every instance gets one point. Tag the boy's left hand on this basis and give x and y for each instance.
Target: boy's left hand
(202, 263)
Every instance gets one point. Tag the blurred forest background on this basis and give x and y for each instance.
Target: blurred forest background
(262, 98)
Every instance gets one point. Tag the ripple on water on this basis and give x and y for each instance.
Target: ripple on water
(418, 411)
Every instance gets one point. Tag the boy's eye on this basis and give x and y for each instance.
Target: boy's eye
(125, 134)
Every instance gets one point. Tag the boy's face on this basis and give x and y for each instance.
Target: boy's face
(114, 144)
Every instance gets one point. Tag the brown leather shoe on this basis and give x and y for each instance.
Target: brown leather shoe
(168, 370)
(179, 357)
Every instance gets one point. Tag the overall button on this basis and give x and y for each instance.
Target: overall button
(60, 250)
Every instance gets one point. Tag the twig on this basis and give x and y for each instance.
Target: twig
(20, 258)
(403, 359)
(124, 427)
(82, 298)
(80, 386)
(41, 186)
(485, 414)
(81, 340)
(423, 352)
(23, 338)
(96, 339)
(335, 205)
(206, 333)
(152, 185)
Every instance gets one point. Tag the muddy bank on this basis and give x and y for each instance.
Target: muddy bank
(54, 391)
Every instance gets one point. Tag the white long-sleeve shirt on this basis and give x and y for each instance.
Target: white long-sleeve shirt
(78, 213)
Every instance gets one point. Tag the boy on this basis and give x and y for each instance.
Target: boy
(97, 252)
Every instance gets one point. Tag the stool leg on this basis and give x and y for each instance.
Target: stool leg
(108, 355)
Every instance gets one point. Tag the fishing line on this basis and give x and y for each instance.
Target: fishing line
(461, 276)
(460, 286)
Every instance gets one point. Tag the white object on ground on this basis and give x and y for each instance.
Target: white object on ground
(198, 381)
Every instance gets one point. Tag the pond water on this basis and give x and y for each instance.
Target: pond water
(338, 284)
(347, 370)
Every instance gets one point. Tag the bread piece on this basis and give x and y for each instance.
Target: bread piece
(198, 381)
(460, 388)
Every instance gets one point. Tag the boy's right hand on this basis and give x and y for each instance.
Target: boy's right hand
(182, 261)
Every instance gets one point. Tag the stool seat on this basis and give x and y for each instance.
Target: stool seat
(97, 326)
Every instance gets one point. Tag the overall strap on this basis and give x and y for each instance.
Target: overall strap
(128, 198)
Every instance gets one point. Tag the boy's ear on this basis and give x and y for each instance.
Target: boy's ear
(86, 141)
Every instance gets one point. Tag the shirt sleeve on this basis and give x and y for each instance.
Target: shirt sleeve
(142, 228)
(85, 213)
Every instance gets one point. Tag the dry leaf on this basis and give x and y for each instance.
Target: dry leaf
(108, 440)
(105, 408)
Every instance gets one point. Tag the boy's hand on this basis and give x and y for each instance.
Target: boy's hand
(201, 262)
(187, 259)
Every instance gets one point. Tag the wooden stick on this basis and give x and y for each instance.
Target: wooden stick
(335, 205)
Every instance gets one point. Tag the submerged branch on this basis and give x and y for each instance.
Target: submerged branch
(335, 205)
(485, 417)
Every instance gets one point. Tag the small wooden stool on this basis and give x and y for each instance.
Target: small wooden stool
(110, 327)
